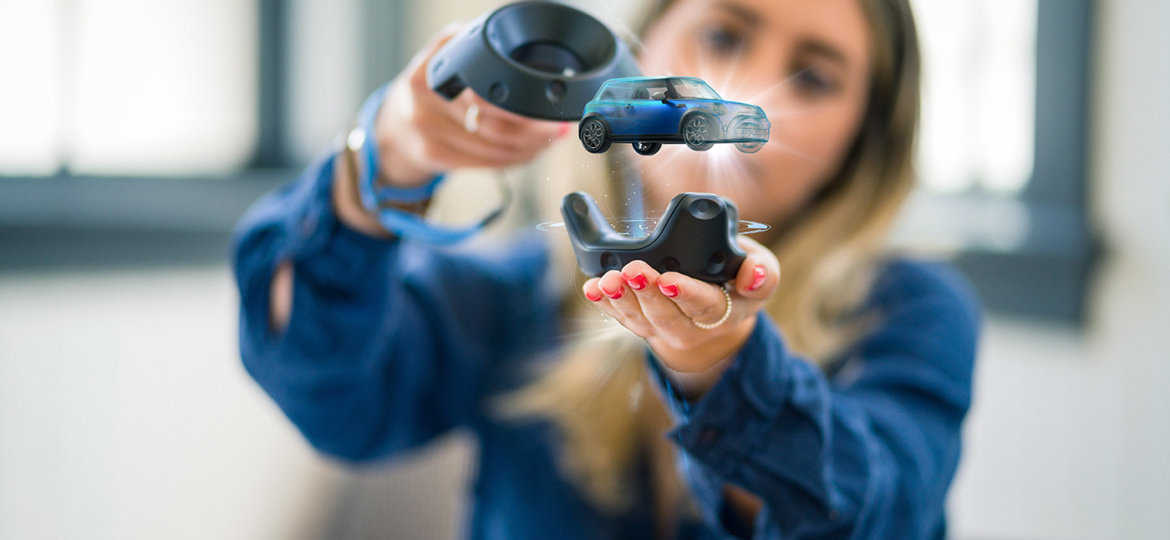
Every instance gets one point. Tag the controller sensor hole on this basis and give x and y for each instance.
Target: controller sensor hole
(609, 261)
(716, 263)
(555, 91)
(498, 92)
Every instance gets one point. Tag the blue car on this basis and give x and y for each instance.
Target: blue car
(650, 111)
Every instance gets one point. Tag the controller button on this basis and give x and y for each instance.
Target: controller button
(703, 208)
(580, 208)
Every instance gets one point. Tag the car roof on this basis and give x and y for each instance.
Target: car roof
(647, 79)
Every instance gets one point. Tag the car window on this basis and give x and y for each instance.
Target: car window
(616, 91)
(656, 90)
(691, 89)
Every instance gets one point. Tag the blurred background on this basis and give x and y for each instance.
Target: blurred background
(133, 134)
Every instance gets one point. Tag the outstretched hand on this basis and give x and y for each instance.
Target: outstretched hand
(663, 309)
(421, 134)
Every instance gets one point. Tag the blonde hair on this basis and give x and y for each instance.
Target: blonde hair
(598, 394)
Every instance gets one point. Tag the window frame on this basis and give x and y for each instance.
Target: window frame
(83, 222)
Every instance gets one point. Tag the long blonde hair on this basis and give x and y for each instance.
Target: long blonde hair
(599, 395)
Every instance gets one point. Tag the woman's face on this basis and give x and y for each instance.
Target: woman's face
(806, 63)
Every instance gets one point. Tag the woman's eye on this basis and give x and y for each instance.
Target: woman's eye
(723, 40)
(813, 81)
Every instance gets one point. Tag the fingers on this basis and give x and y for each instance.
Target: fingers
(632, 296)
(495, 125)
(697, 300)
(420, 133)
(612, 296)
(504, 129)
(657, 308)
(417, 65)
(759, 274)
(665, 300)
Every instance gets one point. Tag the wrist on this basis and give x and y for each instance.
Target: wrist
(393, 168)
(696, 370)
(396, 169)
(347, 204)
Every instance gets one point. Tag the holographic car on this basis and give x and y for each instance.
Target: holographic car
(650, 111)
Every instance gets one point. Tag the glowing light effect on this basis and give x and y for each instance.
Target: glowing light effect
(639, 228)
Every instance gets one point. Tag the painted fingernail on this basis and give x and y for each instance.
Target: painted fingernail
(759, 275)
(592, 297)
(564, 129)
(613, 295)
(637, 282)
(670, 291)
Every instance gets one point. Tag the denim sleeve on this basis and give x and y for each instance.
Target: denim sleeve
(389, 343)
(867, 454)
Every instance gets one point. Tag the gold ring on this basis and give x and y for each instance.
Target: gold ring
(723, 319)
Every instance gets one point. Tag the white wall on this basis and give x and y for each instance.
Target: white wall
(125, 413)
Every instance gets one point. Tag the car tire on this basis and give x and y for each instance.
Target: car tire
(594, 135)
(698, 131)
(647, 148)
(745, 147)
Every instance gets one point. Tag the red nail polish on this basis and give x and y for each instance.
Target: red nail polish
(759, 275)
(669, 290)
(614, 295)
(564, 129)
(593, 298)
(637, 282)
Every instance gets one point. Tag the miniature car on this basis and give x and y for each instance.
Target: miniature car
(650, 111)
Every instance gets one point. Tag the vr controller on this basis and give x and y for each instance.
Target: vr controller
(695, 237)
(538, 59)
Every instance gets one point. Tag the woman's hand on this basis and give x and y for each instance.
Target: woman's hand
(420, 134)
(663, 308)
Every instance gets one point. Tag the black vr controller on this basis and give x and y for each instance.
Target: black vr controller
(538, 59)
(695, 237)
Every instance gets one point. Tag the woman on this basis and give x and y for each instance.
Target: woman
(826, 404)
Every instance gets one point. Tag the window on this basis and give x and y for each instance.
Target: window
(107, 103)
(979, 91)
(1001, 150)
(127, 87)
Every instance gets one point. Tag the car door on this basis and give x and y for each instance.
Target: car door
(655, 118)
(619, 111)
(608, 105)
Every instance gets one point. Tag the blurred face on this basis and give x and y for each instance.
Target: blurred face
(806, 63)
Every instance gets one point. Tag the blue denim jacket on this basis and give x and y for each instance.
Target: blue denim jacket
(392, 343)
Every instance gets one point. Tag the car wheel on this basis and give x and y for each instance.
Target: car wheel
(647, 148)
(698, 132)
(594, 135)
(741, 132)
